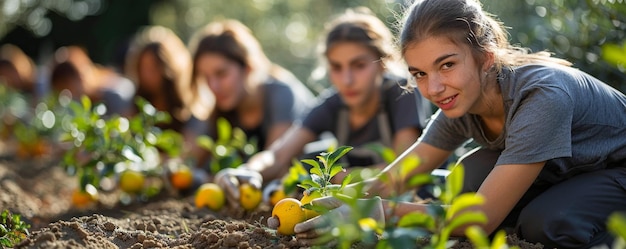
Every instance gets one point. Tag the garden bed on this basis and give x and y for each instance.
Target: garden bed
(39, 190)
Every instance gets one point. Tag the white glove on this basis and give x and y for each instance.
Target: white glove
(315, 231)
(230, 179)
(271, 187)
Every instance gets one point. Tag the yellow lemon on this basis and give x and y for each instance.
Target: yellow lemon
(131, 181)
(287, 213)
(306, 199)
(368, 224)
(249, 196)
(276, 196)
(210, 195)
(181, 178)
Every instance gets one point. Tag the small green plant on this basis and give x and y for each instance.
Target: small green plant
(323, 170)
(32, 125)
(230, 149)
(102, 146)
(12, 229)
(447, 213)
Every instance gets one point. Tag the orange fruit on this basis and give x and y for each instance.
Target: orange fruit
(210, 195)
(82, 199)
(287, 213)
(131, 181)
(276, 196)
(249, 196)
(181, 178)
(306, 199)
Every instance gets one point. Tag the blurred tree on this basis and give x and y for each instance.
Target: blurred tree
(590, 33)
(288, 30)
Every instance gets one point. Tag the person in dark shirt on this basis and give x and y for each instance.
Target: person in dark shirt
(367, 104)
(246, 89)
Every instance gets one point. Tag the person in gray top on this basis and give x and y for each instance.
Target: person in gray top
(367, 105)
(552, 161)
(248, 90)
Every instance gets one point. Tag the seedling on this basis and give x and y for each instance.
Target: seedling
(12, 229)
(230, 149)
(104, 146)
(323, 170)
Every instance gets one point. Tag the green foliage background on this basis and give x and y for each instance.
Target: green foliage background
(590, 33)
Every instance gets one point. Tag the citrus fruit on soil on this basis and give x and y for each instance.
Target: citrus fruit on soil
(306, 199)
(131, 181)
(276, 196)
(249, 196)
(210, 195)
(181, 178)
(82, 199)
(287, 213)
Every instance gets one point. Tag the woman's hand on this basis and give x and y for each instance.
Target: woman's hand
(317, 230)
(230, 179)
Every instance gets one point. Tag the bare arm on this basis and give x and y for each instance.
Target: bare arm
(430, 159)
(274, 162)
(503, 188)
(275, 132)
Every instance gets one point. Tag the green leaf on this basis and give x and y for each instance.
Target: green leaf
(86, 102)
(224, 131)
(616, 224)
(337, 154)
(614, 54)
(408, 164)
(335, 169)
(205, 142)
(466, 218)
(318, 180)
(499, 240)
(464, 201)
(386, 153)
(417, 219)
(477, 236)
(454, 183)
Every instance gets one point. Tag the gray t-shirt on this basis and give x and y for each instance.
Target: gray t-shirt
(283, 102)
(554, 113)
(398, 105)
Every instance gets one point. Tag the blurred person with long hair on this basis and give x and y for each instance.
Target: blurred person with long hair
(366, 106)
(247, 89)
(159, 64)
(73, 69)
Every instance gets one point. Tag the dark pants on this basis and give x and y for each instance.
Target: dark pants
(569, 214)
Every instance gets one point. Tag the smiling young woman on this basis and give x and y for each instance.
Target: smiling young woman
(551, 164)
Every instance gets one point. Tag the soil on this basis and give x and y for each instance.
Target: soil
(39, 190)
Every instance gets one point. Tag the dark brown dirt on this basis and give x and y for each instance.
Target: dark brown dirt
(39, 190)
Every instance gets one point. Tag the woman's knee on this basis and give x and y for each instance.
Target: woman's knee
(558, 229)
